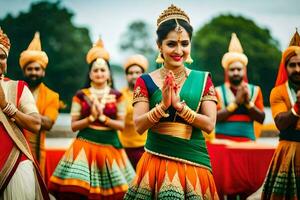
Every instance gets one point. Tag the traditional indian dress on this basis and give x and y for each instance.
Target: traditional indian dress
(176, 164)
(283, 178)
(20, 177)
(96, 165)
(239, 125)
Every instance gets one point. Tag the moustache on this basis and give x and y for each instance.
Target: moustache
(295, 74)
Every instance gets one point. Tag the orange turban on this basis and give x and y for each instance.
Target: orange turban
(137, 59)
(34, 53)
(97, 51)
(4, 42)
(292, 50)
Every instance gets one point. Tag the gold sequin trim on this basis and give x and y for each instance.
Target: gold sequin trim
(138, 96)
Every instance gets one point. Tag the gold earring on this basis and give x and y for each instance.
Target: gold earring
(189, 59)
(159, 59)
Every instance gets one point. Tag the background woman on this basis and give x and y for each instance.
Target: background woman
(96, 165)
(175, 104)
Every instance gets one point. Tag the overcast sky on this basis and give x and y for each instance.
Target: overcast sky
(111, 18)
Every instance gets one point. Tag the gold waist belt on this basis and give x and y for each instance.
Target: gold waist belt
(174, 129)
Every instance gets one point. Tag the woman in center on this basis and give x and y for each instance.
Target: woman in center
(175, 104)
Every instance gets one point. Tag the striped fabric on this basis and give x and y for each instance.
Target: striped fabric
(161, 178)
(239, 124)
(93, 170)
(283, 178)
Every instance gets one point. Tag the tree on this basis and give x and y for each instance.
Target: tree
(138, 39)
(211, 42)
(65, 44)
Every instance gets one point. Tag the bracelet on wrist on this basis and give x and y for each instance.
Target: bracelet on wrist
(10, 109)
(249, 105)
(232, 107)
(91, 119)
(102, 118)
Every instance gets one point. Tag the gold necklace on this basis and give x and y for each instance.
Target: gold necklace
(179, 76)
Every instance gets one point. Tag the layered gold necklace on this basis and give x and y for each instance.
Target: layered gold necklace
(179, 75)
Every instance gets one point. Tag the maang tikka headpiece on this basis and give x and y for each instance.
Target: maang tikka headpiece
(172, 12)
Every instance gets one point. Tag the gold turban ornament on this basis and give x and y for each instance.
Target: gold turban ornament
(34, 53)
(293, 49)
(235, 53)
(4, 42)
(172, 12)
(97, 51)
(137, 59)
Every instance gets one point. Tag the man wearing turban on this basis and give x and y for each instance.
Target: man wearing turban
(132, 141)
(33, 62)
(19, 174)
(283, 177)
(239, 102)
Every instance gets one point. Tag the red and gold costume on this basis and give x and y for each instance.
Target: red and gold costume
(96, 165)
(15, 153)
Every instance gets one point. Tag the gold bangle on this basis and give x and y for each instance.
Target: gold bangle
(188, 114)
(91, 119)
(232, 107)
(151, 117)
(102, 118)
(162, 105)
(249, 105)
(161, 111)
(107, 119)
(295, 113)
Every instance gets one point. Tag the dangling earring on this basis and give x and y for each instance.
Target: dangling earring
(189, 59)
(159, 59)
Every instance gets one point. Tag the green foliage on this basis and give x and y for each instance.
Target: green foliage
(65, 44)
(211, 42)
(138, 39)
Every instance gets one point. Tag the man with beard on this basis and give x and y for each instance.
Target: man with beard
(33, 62)
(239, 103)
(283, 178)
(19, 174)
(132, 141)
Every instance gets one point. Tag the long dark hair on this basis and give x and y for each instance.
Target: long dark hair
(168, 26)
(88, 80)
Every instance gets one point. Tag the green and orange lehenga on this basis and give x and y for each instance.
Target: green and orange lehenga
(96, 165)
(176, 164)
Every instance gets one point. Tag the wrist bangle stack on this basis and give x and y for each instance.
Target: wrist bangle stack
(187, 114)
(156, 113)
(10, 109)
(232, 107)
